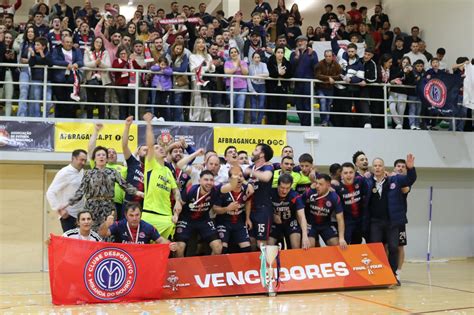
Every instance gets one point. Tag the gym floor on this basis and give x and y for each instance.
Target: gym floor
(440, 288)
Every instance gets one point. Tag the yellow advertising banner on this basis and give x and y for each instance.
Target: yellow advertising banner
(247, 138)
(70, 136)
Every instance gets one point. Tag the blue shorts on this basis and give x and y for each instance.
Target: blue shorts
(353, 231)
(326, 231)
(235, 231)
(262, 220)
(186, 228)
(285, 229)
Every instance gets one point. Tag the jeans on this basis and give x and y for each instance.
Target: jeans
(177, 112)
(125, 96)
(162, 98)
(30, 109)
(460, 112)
(7, 91)
(325, 103)
(257, 102)
(414, 110)
(303, 103)
(239, 102)
(384, 231)
(38, 96)
(397, 106)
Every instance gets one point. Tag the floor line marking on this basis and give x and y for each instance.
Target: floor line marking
(377, 303)
(446, 310)
(437, 286)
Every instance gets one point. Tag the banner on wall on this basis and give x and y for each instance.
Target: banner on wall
(320, 47)
(247, 138)
(70, 136)
(26, 136)
(96, 272)
(321, 268)
(196, 136)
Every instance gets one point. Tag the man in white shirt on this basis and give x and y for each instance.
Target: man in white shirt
(232, 159)
(415, 55)
(64, 186)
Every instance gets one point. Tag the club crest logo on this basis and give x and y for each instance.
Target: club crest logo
(435, 93)
(393, 185)
(110, 273)
(328, 203)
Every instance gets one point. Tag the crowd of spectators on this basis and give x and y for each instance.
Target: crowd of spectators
(165, 42)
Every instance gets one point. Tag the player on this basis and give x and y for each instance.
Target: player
(261, 174)
(361, 162)
(352, 190)
(159, 186)
(307, 168)
(400, 167)
(198, 200)
(84, 229)
(132, 229)
(289, 220)
(286, 167)
(233, 214)
(175, 154)
(286, 151)
(243, 157)
(135, 164)
(321, 203)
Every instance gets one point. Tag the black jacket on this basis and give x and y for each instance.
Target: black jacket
(272, 85)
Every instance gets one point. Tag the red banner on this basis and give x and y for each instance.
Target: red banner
(314, 269)
(94, 272)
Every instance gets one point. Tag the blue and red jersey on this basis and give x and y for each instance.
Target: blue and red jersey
(286, 207)
(198, 204)
(320, 208)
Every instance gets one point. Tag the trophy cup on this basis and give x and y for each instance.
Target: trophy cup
(270, 254)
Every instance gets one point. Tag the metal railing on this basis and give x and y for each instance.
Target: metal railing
(137, 88)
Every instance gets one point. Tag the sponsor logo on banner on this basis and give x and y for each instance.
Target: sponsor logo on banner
(247, 138)
(70, 136)
(436, 93)
(110, 273)
(26, 136)
(314, 269)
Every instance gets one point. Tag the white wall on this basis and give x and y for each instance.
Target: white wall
(442, 23)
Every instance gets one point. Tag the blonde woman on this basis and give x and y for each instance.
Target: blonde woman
(200, 62)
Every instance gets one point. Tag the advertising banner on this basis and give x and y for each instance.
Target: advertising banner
(96, 272)
(247, 138)
(70, 136)
(198, 137)
(321, 268)
(26, 136)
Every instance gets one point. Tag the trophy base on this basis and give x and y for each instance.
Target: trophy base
(271, 294)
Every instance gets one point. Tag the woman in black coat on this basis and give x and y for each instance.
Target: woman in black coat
(278, 67)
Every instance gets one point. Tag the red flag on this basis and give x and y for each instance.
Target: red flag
(94, 272)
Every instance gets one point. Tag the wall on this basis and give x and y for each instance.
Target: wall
(21, 217)
(447, 24)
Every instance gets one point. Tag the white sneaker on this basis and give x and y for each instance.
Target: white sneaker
(75, 97)
(413, 127)
(368, 126)
(399, 126)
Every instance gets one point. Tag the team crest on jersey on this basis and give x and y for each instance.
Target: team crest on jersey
(185, 176)
(435, 93)
(244, 198)
(141, 235)
(356, 186)
(110, 273)
(393, 185)
(328, 203)
(179, 230)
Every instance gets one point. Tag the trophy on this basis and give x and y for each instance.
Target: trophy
(270, 254)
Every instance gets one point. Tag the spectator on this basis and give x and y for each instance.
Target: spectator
(40, 57)
(414, 38)
(328, 15)
(97, 57)
(10, 25)
(203, 15)
(275, 27)
(293, 31)
(44, 9)
(459, 110)
(355, 14)
(262, 6)
(254, 45)
(328, 71)
(397, 33)
(217, 84)
(235, 66)
(143, 31)
(125, 60)
(256, 85)
(366, 37)
(162, 82)
(150, 14)
(200, 62)
(256, 28)
(411, 78)
(8, 74)
(159, 48)
(422, 49)
(415, 54)
(311, 35)
(71, 58)
(279, 68)
(282, 11)
(398, 52)
(303, 61)
(296, 13)
(120, 25)
(132, 31)
(179, 63)
(84, 38)
(139, 56)
(282, 42)
(115, 37)
(363, 15)
(220, 17)
(440, 53)
(88, 13)
(62, 10)
(397, 96)
(7, 8)
(26, 89)
(54, 34)
(379, 18)
(40, 28)
(342, 16)
(387, 39)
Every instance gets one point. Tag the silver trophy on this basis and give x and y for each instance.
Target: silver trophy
(267, 274)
